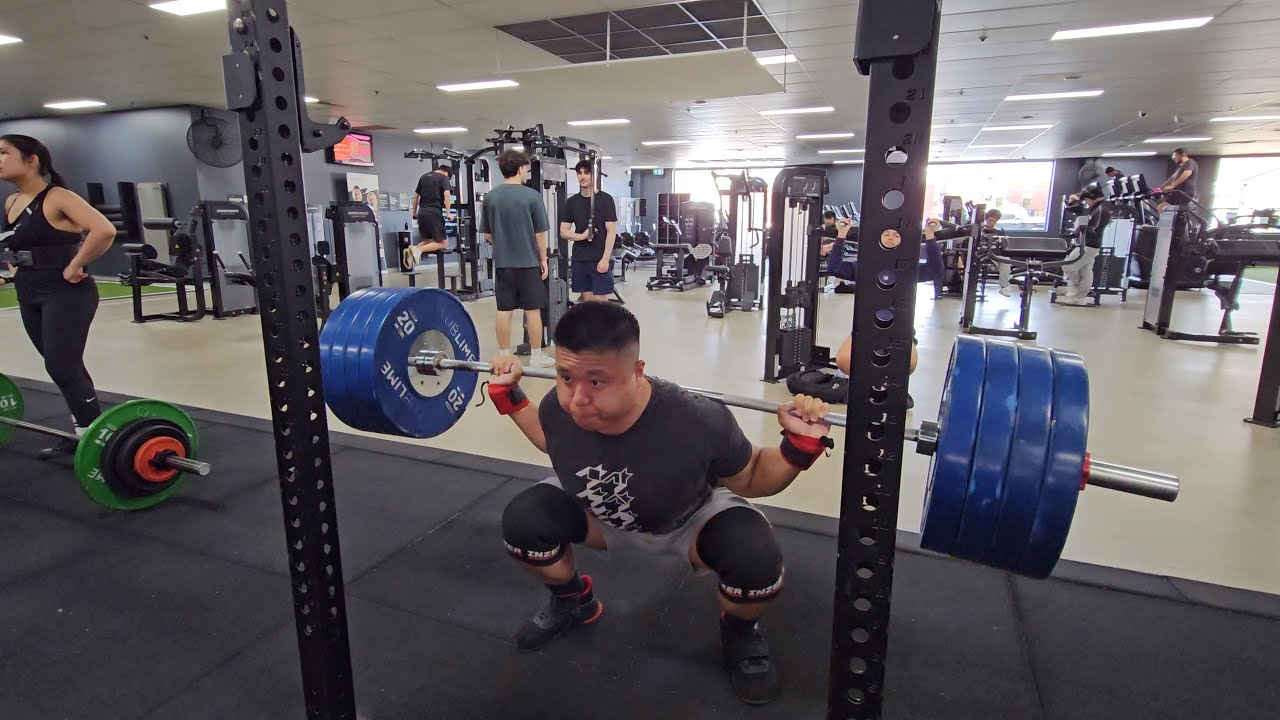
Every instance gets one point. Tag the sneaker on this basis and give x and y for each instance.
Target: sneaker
(746, 655)
(561, 615)
(1006, 291)
(846, 288)
(63, 448)
(540, 359)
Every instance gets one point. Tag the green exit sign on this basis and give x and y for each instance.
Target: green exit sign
(658, 171)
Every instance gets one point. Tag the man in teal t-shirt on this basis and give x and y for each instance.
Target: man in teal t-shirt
(514, 220)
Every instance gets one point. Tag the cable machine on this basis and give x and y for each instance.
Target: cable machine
(475, 259)
(792, 258)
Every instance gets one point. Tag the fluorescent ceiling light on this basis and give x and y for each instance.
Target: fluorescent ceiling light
(190, 7)
(7, 40)
(840, 152)
(1056, 96)
(847, 162)
(798, 111)
(995, 147)
(825, 136)
(1000, 128)
(1245, 118)
(1171, 140)
(309, 100)
(665, 142)
(1147, 27)
(74, 104)
(607, 157)
(439, 130)
(776, 59)
(1129, 154)
(588, 123)
(482, 85)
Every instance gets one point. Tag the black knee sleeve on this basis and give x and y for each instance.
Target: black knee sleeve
(540, 523)
(738, 544)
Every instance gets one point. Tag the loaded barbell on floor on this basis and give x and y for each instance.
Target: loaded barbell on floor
(1008, 450)
(133, 456)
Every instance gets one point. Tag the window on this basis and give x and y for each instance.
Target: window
(1019, 190)
(701, 186)
(1244, 185)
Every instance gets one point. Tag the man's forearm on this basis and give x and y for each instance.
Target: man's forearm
(772, 474)
(609, 239)
(526, 418)
(415, 204)
(541, 239)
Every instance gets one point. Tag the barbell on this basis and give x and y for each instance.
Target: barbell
(1008, 450)
(133, 456)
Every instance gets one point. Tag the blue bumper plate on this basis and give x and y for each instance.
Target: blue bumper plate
(1065, 472)
(990, 452)
(957, 433)
(1028, 456)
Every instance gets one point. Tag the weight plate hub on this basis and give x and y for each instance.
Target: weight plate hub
(126, 459)
(990, 452)
(11, 406)
(92, 459)
(1027, 457)
(1066, 461)
(949, 469)
(368, 352)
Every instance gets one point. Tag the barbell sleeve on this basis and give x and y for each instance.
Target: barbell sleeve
(186, 465)
(1136, 481)
(1148, 483)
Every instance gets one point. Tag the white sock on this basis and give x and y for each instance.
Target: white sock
(840, 374)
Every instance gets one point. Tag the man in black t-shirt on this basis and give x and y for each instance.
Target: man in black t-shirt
(1180, 188)
(644, 465)
(1079, 274)
(432, 201)
(591, 272)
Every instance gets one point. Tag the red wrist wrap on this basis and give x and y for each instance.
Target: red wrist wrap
(507, 398)
(801, 451)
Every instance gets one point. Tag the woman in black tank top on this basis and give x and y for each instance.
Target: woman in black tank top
(52, 234)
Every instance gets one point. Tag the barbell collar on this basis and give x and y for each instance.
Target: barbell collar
(1136, 481)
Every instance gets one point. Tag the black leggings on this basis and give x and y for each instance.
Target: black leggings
(57, 320)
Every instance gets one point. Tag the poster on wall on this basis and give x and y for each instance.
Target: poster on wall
(406, 203)
(384, 201)
(362, 187)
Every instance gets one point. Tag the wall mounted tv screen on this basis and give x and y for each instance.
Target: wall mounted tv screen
(354, 149)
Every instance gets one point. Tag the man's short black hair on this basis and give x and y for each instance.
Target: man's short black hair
(1180, 151)
(1111, 170)
(446, 169)
(993, 213)
(510, 162)
(828, 215)
(597, 327)
(587, 165)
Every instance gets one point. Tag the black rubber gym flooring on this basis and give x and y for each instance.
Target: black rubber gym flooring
(184, 611)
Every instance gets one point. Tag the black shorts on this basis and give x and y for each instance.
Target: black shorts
(583, 278)
(431, 224)
(519, 288)
(1176, 197)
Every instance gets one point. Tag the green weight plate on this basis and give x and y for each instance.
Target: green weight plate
(11, 407)
(89, 455)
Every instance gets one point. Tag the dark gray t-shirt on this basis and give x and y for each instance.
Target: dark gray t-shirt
(654, 474)
(431, 187)
(513, 214)
(1188, 187)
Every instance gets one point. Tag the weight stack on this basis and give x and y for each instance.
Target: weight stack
(795, 349)
(744, 286)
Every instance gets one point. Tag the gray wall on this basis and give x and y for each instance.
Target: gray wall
(131, 146)
(846, 185)
(644, 184)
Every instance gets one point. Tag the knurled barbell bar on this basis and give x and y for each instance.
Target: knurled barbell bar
(1008, 450)
(133, 456)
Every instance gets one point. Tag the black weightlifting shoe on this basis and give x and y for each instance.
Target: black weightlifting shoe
(561, 615)
(65, 447)
(746, 655)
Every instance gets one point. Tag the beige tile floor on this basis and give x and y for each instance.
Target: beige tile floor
(1170, 406)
